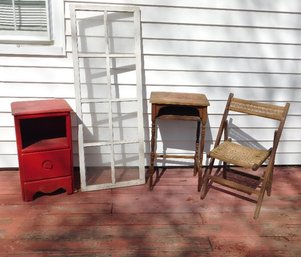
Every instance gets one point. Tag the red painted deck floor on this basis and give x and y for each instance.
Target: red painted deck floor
(170, 221)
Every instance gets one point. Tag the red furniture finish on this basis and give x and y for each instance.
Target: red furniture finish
(44, 142)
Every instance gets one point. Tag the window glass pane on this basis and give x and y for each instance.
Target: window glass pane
(98, 165)
(31, 15)
(91, 32)
(6, 15)
(126, 155)
(123, 77)
(93, 78)
(125, 121)
(123, 174)
(96, 122)
(23, 15)
(121, 32)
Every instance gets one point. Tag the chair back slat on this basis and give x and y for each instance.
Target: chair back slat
(260, 109)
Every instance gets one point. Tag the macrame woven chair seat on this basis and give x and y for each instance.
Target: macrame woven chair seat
(240, 155)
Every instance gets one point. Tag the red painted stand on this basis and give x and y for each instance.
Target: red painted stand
(44, 142)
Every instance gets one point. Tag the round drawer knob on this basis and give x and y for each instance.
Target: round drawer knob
(47, 165)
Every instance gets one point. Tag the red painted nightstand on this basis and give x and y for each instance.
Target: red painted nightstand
(44, 142)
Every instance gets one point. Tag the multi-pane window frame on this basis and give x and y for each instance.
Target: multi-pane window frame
(50, 42)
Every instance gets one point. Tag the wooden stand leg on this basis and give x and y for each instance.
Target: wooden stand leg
(152, 155)
(197, 154)
(200, 174)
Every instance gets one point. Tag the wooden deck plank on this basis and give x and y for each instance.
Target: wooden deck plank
(171, 220)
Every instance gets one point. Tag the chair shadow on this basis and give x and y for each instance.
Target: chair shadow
(241, 177)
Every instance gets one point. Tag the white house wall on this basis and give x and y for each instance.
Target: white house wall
(250, 48)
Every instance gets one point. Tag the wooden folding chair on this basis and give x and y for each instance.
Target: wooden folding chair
(235, 155)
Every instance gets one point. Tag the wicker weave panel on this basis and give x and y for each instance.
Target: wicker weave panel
(255, 108)
(239, 155)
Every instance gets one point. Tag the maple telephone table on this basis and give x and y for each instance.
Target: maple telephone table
(44, 142)
(179, 106)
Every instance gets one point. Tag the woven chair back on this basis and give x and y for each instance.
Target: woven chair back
(259, 109)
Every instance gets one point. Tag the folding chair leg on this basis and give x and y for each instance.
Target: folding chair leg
(225, 168)
(207, 173)
(259, 202)
(204, 187)
(260, 199)
(265, 187)
(270, 182)
(200, 176)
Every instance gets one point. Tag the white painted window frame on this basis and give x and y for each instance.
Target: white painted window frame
(79, 101)
(30, 44)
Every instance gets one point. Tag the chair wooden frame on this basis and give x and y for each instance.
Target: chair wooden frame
(249, 158)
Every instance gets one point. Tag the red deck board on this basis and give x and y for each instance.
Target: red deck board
(170, 221)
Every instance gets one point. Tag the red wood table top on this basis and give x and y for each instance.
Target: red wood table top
(39, 106)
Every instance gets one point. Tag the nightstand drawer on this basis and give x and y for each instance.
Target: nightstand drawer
(46, 164)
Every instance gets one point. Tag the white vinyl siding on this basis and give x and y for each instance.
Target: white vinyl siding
(250, 48)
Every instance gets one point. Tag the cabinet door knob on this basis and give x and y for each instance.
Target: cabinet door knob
(47, 165)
